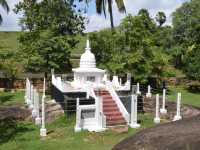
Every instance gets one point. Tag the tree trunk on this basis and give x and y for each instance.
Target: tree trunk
(111, 14)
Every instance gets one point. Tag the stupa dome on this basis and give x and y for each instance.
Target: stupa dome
(87, 59)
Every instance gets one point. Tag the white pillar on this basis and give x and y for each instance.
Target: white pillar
(37, 119)
(34, 111)
(148, 94)
(134, 123)
(26, 92)
(120, 81)
(178, 109)
(29, 93)
(157, 117)
(43, 131)
(138, 89)
(163, 110)
(77, 127)
(31, 97)
(88, 91)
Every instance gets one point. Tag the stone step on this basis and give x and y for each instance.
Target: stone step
(116, 122)
(105, 97)
(114, 118)
(113, 113)
(106, 109)
(109, 105)
(108, 101)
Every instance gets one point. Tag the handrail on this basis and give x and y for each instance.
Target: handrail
(115, 97)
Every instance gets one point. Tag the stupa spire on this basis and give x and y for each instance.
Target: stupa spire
(88, 45)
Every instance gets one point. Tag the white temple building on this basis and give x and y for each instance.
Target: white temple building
(88, 73)
(108, 109)
(87, 70)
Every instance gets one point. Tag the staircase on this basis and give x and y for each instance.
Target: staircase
(111, 111)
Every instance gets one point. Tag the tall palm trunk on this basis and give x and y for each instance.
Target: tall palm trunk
(4, 4)
(111, 14)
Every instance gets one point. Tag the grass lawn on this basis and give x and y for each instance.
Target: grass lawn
(8, 98)
(187, 96)
(61, 136)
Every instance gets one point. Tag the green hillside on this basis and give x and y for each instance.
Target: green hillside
(8, 40)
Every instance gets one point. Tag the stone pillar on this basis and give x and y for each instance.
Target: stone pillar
(134, 123)
(138, 89)
(148, 94)
(77, 127)
(37, 119)
(43, 131)
(31, 96)
(120, 81)
(163, 110)
(34, 111)
(178, 111)
(26, 92)
(157, 117)
(88, 91)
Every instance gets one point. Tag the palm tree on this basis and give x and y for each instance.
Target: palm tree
(5, 6)
(102, 4)
(161, 18)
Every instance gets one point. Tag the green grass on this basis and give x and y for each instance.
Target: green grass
(8, 98)
(187, 96)
(61, 136)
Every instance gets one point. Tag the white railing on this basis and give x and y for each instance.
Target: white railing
(98, 123)
(115, 97)
(32, 100)
(57, 82)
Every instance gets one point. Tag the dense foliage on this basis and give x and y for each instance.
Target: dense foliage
(133, 48)
(186, 33)
(51, 27)
(141, 45)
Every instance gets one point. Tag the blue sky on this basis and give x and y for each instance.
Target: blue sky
(97, 22)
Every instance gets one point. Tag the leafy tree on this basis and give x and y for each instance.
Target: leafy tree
(161, 18)
(187, 36)
(51, 52)
(132, 48)
(192, 60)
(51, 27)
(186, 23)
(10, 66)
(5, 6)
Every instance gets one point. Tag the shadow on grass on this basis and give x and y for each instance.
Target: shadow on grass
(9, 128)
(5, 98)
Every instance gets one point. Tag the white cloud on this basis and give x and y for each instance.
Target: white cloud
(10, 20)
(97, 22)
(133, 6)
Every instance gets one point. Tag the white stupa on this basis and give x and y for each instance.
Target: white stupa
(87, 70)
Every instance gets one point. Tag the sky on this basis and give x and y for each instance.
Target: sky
(98, 22)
